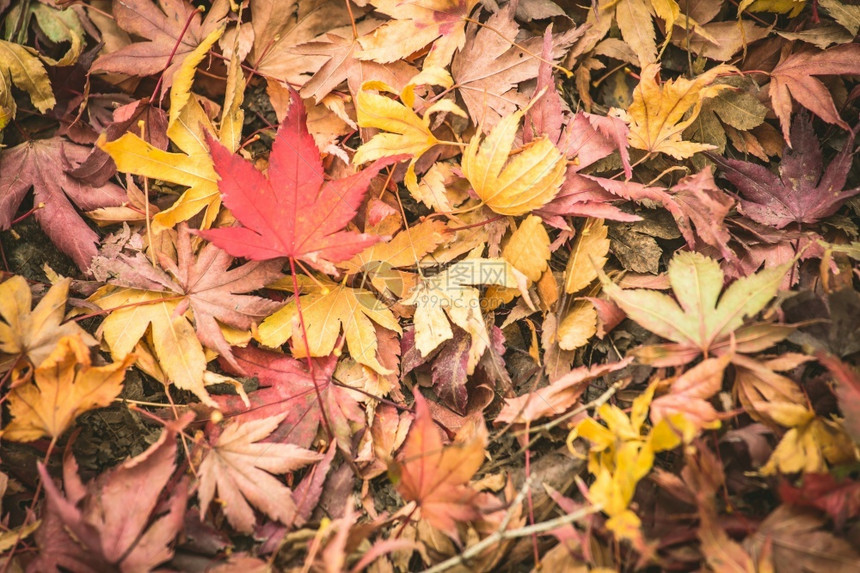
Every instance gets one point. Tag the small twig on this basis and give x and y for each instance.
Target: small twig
(499, 536)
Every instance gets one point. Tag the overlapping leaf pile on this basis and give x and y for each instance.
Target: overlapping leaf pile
(394, 285)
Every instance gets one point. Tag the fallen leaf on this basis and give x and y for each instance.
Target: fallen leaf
(406, 131)
(804, 192)
(517, 185)
(115, 522)
(848, 15)
(188, 126)
(33, 335)
(327, 308)
(847, 391)
(794, 76)
(238, 466)
(44, 165)
(195, 300)
(494, 60)
(21, 67)
(451, 295)
(436, 476)
(799, 541)
(66, 385)
(701, 323)
(168, 41)
(287, 386)
(282, 25)
(810, 446)
(690, 392)
(703, 206)
(293, 212)
(340, 48)
(840, 498)
(660, 113)
(528, 248)
(558, 397)
(414, 26)
(587, 256)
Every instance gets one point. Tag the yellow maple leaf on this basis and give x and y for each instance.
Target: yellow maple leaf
(810, 445)
(656, 114)
(20, 66)
(66, 385)
(326, 309)
(407, 132)
(33, 335)
(187, 122)
(179, 352)
(513, 185)
(622, 453)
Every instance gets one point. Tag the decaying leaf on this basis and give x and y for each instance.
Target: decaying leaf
(804, 192)
(45, 165)
(118, 521)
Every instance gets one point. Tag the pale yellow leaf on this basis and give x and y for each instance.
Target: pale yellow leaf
(587, 257)
(578, 326)
(528, 249)
(326, 312)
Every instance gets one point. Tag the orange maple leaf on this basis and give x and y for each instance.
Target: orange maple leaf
(66, 385)
(436, 477)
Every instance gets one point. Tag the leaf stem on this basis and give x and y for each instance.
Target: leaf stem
(311, 370)
(195, 12)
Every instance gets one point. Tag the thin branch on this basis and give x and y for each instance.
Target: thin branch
(499, 536)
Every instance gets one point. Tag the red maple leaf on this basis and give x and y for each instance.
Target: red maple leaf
(46, 167)
(287, 386)
(293, 212)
